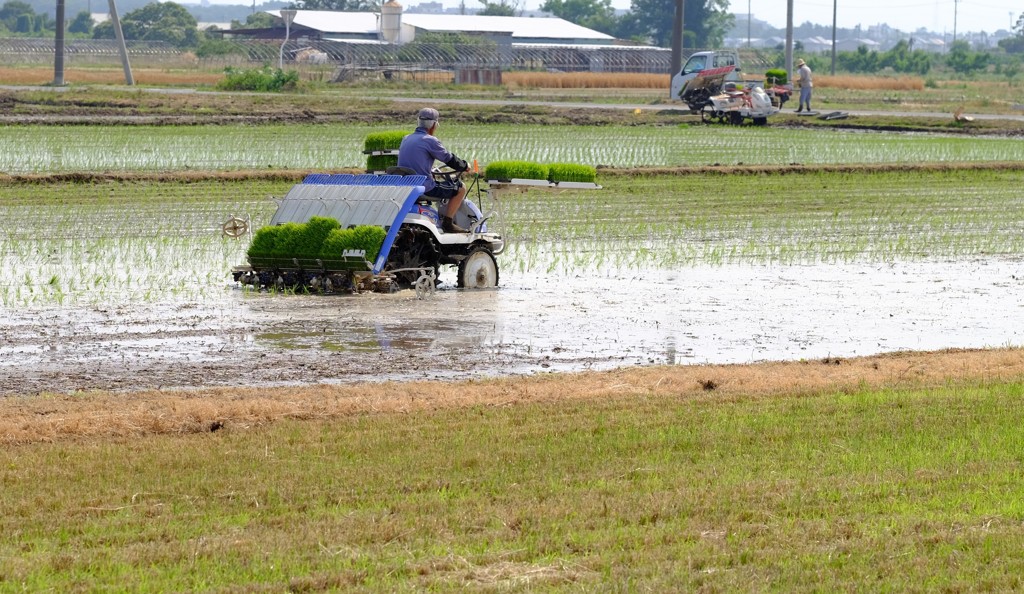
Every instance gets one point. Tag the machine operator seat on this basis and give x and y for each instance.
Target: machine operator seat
(399, 170)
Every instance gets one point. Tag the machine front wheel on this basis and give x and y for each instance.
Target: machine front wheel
(479, 270)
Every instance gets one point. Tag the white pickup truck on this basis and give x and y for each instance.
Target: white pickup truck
(712, 84)
(724, 61)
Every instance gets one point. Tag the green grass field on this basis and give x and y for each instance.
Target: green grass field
(888, 490)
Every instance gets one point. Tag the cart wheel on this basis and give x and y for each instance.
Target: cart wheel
(424, 286)
(235, 227)
(760, 121)
(735, 118)
(479, 270)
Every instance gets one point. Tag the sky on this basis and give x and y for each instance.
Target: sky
(906, 15)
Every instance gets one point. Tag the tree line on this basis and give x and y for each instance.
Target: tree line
(708, 20)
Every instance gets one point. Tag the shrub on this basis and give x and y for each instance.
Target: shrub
(266, 80)
(219, 47)
(363, 237)
(571, 172)
(515, 169)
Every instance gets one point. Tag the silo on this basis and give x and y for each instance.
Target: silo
(390, 21)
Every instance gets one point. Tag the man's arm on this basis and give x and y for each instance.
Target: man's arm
(442, 154)
(457, 164)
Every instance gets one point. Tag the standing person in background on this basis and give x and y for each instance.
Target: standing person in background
(804, 78)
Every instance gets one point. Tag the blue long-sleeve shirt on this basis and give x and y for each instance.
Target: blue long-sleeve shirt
(418, 152)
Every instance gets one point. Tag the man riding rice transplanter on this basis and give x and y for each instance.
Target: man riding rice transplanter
(418, 152)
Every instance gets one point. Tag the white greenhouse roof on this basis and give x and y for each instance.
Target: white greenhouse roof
(526, 27)
(340, 23)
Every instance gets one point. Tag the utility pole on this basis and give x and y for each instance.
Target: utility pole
(835, 10)
(789, 38)
(748, 24)
(956, 4)
(58, 47)
(287, 16)
(677, 39)
(119, 34)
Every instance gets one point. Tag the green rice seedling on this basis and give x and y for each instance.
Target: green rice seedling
(264, 245)
(288, 240)
(387, 140)
(571, 172)
(506, 170)
(311, 239)
(380, 162)
(115, 148)
(382, 141)
(776, 76)
(368, 238)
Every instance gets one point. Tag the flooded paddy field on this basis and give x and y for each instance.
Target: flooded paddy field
(532, 323)
(28, 149)
(126, 285)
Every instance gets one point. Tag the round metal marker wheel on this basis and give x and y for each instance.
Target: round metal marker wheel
(479, 270)
(425, 286)
(235, 227)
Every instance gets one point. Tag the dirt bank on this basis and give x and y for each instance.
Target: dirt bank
(118, 415)
(156, 106)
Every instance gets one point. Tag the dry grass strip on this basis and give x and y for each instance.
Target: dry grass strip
(106, 415)
(184, 74)
(870, 83)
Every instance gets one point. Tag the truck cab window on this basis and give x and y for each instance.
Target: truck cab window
(695, 64)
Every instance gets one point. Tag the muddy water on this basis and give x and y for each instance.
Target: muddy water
(532, 323)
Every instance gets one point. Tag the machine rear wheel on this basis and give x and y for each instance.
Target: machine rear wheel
(414, 250)
(479, 270)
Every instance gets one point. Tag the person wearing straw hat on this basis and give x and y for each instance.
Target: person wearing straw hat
(804, 79)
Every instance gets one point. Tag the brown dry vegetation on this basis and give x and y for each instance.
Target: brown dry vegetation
(585, 80)
(598, 80)
(116, 415)
(109, 76)
(870, 83)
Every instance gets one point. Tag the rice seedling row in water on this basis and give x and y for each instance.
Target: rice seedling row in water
(25, 149)
(117, 242)
(790, 219)
(108, 243)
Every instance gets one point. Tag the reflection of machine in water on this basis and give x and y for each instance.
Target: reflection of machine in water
(451, 322)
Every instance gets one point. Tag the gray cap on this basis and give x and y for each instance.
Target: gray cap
(429, 113)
